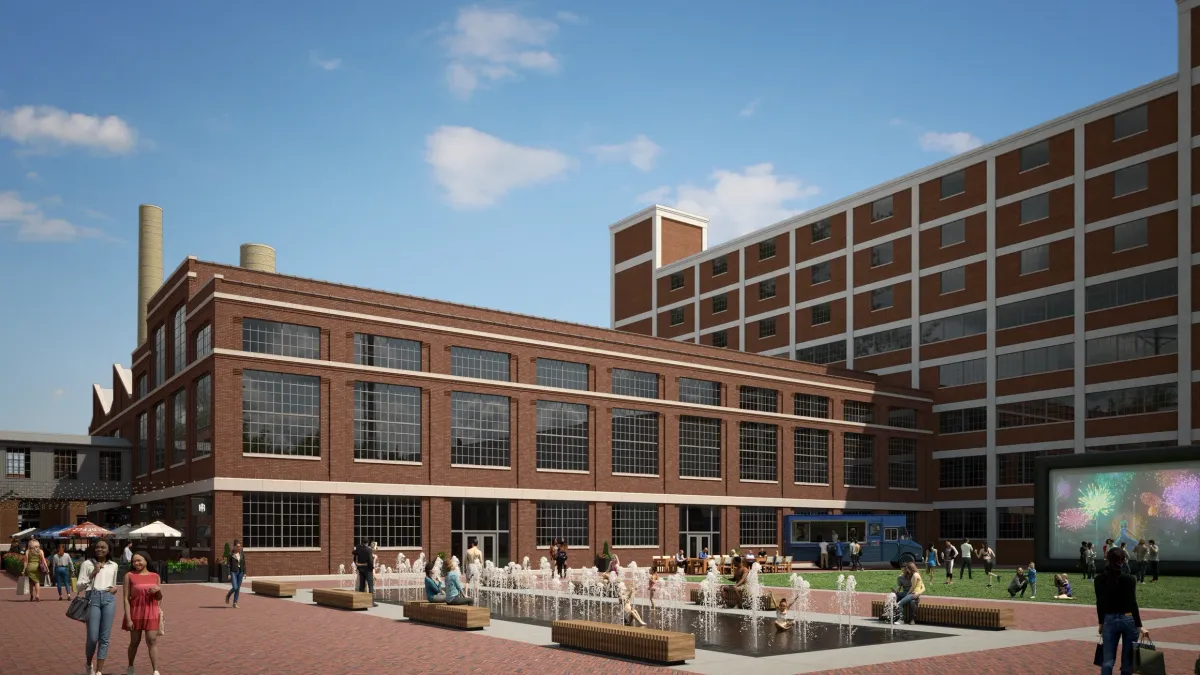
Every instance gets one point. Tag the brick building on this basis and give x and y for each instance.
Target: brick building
(1039, 287)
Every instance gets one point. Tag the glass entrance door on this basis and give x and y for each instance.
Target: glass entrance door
(487, 544)
(696, 544)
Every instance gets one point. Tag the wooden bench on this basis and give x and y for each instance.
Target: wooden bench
(465, 617)
(342, 598)
(275, 589)
(767, 601)
(959, 616)
(643, 644)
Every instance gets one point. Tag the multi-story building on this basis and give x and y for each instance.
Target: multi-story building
(1040, 287)
(302, 416)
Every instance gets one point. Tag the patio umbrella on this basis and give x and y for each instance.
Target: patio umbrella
(88, 530)
(156, 529)
(51, 532)
(23, 533)
(122, 531)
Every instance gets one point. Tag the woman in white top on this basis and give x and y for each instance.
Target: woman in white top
(98, 578)
(61, 567)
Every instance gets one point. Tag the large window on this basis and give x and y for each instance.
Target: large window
(1131, 179)
(954, 279)
(703, 392)
(961, 472)
(821, 313)
(954, 184)
(811, 457)
(160, 437)
(1133, 401)
(179, 430)
(1035, 259)
(387, 352)
(720, 266)
(858, 460)
(562, 436)
(766, 249)
(858, 411)
(954, 232)
(881, 208)
(821, 230)
(758, 398)
(962, 420)
(143, 461)
(281, 339)
(66, 465)
(821, 272)
(562, 520)
(719, 303)
(1130, 290)
(635, 442)
(881, 254)
(562, 374)
(634, 383)
(902, 463)
(110, 466)
(1043, 308)
(203, 416)
(281, 520)
(960, 373)
(829, 352)
(758, 451)
(1014, 522)
(387, 422)
(1035, 155)
(159, 348)
(1034, 361)
(699, 447)
(883, 341)
(766, 328)
(676, 280)
(1035, 208)
(479, 363)
(281, 414)
(881, 298)
(179, 338)
(479, 429)
(766, 289)
(390, 522)
(951, 327)
(810, 405)
(635, 524)
(758, 526)
(204, 341)
(960, 524)
(1129, 122)
(720, 338)
(1136, 345)
(677, 316)
(1038, 411)
(1016, 468)
(905, 418)
(1129, 235)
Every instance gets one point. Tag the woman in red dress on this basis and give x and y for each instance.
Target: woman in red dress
(142, 615)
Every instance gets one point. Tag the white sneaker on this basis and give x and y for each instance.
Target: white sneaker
(130, 671)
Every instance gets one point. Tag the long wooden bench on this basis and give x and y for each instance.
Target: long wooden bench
(342, 598)
(463, 617)
(643, 644)
(736, 598)
(958, 616)
(275, 589)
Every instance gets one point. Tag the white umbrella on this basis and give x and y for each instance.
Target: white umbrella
(156, 529)
(24, 532)
(122, 531)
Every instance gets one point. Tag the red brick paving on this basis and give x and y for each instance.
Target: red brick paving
(1066, 657)
(271, 636)
(1189, 634)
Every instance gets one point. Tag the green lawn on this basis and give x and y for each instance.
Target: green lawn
(1168, 593)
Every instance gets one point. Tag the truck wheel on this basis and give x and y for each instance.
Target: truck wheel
(906, 558)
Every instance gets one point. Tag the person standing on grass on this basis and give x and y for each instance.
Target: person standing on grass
(1031, 574)
(1089, 567)
(142, 613)
(1117, 612)
(965, 551)
(237, 572)
(931, 560)
(1141, 554)
(988, 556)
(1152, 559)
(1125, 567)
(98, 578)
(948, 555)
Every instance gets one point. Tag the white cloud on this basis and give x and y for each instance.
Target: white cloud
(738, 202)
(315, 59)
(640, 152)
(98, 215)
(656, 196)
(953, 143)
(57, 393)
(490, 45)
(33, 225)
(750, 108)
(32, 175)
(477, 169)
(43, 126)
(569, 17)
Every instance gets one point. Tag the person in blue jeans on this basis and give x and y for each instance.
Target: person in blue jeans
(434, 591)
(1117, 612)
(98, 578)
(838, 550)
(455, 593)
(237, 572)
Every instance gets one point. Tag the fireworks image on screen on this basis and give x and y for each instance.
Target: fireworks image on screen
(1181, 500)
(1151, 501)
(1074, 519)
(1096, 501)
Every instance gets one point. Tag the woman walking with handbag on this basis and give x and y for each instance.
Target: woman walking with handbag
(142, 613)
(36, 569)
(237, 572)
(98, 578)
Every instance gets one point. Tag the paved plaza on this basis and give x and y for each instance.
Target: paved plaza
(292, 636)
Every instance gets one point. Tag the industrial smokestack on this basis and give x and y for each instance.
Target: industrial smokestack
(258, 257)
(150, 261)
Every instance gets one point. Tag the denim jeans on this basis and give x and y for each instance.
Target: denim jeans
(235, 585)
(1117, 627)
(907, 600)
(102, 606)
(1153, 569)
(966, 567)
(366, 579)
(461, 599)
(62, 580)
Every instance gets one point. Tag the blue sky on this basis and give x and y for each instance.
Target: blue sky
(476, 153)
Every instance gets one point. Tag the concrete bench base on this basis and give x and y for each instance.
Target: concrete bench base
(958, 616)
(275, 589)
(642, 644)
(464, 617)
(342, 599)
(734, 599)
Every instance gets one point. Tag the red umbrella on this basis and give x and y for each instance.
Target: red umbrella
(87, 530)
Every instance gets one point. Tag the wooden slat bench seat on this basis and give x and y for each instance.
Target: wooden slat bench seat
(342, 598)
(643, 644)
(959, 616)
(275, 589)
(465, 617)
(768, 600)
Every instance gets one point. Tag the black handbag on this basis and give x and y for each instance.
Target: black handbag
(1148, 660)
(1099, 661)
(78, 609)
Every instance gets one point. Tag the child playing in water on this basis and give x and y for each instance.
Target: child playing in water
(1063, 587)
(631, 614)
(653, 588)
(782, 622)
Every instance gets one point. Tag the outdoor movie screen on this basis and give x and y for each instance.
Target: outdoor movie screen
(1140, 501)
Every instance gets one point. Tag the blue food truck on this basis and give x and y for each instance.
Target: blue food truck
(884, 537)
